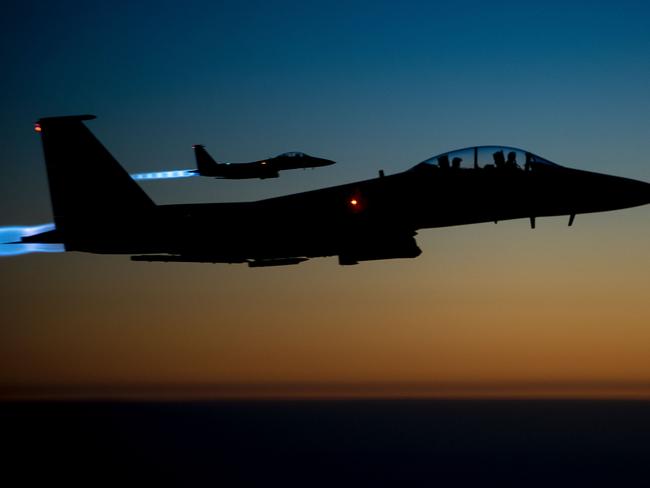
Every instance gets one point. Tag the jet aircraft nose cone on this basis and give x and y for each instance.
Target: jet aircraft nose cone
(637, 192)
(647, 192)
(640, 190)
(605, 192)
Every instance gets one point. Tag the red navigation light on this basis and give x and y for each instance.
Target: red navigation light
(37, 127)
(355, 204)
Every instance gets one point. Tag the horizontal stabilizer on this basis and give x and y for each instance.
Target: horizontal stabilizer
(66, 118)
(275, 262)
(49, 237)
(177, 258)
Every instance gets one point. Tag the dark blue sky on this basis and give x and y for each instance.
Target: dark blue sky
(370, 84)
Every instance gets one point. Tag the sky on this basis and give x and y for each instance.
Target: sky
(486, 310)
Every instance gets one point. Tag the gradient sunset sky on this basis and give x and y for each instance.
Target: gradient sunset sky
(497, 309)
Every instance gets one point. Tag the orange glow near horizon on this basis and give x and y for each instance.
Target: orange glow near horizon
(487, 311)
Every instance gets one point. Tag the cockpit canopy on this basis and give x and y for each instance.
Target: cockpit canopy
(489, 157)
(292, 154)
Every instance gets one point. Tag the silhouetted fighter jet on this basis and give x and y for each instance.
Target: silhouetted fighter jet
(266, 168)
(98, 208)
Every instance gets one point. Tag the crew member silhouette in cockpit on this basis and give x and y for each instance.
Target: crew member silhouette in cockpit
(499, 159)
(529, 162)
(511, 163)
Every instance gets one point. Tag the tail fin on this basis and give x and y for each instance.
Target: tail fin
(88, 187)
(205, 165)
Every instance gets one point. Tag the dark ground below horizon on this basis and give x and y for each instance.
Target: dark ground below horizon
(327, 443)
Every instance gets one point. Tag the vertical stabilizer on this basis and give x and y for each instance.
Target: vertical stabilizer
(88, 187)
(205, 165)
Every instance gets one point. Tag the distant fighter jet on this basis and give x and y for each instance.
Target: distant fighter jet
(266, 168)
(98, 208)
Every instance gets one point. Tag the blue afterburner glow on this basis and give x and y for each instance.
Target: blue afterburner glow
(14, 233)
(18, 249)
(162, 175)
(10, 244)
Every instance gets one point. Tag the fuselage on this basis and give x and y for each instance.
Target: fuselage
(328, 221)
(266, 168)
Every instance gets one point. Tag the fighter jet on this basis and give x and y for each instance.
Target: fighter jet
(266, 168)
(98, 208)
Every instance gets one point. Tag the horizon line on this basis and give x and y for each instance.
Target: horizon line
(329, 390)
